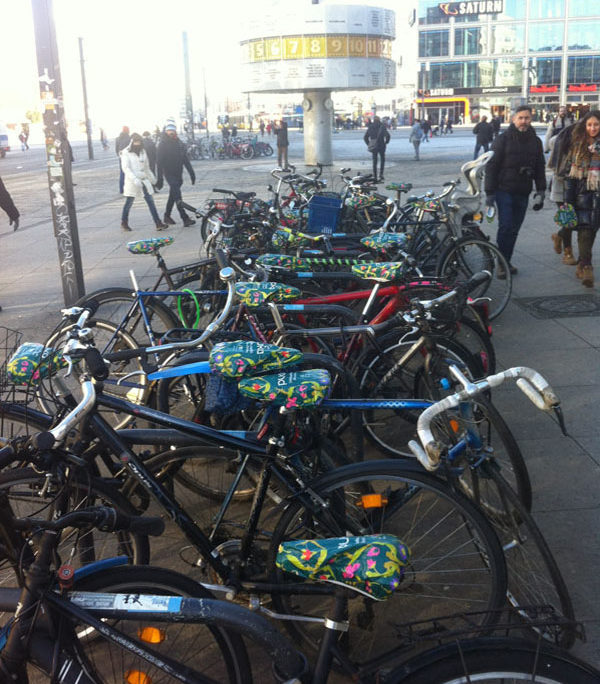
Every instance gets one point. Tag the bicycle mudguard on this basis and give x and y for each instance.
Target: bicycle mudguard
(198, 368)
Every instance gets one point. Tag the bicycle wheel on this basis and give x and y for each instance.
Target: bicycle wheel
(534, 578)
(456, 561)
(31, 494)
(468, 256)
(18, 420)
(107, 338)
(208, 650)
(116, 304)
(495, 661)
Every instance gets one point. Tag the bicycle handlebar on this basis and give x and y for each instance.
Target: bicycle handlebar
(529, 381)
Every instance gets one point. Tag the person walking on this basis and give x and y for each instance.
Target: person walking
(517, 163)
(121, 143)
(138, 178)
(103, 139)
(171, 157)
(561, 121)
(150, 148)
(582, 189)
(8, 205)
(281, 133)
(426, 126)
(496, 125)
(416, 135)
(485, 133)
(376, 138)
(449, 123)
(262, 128)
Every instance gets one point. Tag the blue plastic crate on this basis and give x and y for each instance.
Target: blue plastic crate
(323, 215)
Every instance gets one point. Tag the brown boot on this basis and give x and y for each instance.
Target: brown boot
(568, 257)
(587, 279)
(125, 226)
(558, 243)
(579, 270)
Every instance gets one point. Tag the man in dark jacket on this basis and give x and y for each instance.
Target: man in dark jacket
(8, 205)
(171, 157)
(150, 149)
(484, 132)
(281, 132)
(517, 163)
(377, 137)
(120, 144)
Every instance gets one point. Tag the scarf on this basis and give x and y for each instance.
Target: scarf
(588, 166)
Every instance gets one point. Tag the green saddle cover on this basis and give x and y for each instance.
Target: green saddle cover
(284, 237)
(32, 362)
(429, 205)
(381, 242)
(566, 216)
(283, 261)
(148, 246)
(237, 359)
(373, 564)
(384, 272)
(255, 294)
(361, 202)
(299, 389)
(399, 187)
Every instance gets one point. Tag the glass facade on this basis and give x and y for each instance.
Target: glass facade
(547, 70)
(584, 35)
(470, 41)
(583, 69)
(484, 73)
(547, 9)
(430, 13)
(583, 8)
(434, 43)
(546, 37)
(508, 38)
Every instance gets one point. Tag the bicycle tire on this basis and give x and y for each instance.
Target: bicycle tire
(534, 577)
(456, 558)
(495, 660)
(18, 420)
(247, 152)
(107, 338)
(30, 496)
(209, 649)
(468, 256)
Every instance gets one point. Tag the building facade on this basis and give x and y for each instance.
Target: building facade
(487, 56)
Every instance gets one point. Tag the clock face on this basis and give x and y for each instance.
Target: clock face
(328, 104)
(306, 104)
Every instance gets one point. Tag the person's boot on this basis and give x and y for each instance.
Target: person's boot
(558, 243)
(568, 257)
(587, 277)
(168, 220)
(579, 270)
(160, 225)
(187, 222)
(125, 226)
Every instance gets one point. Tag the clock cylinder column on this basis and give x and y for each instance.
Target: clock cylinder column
(318, 124)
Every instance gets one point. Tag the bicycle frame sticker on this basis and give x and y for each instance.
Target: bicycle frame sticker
(138, 603)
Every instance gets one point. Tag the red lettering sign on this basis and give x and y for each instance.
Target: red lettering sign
(582, 88)
(543, 89)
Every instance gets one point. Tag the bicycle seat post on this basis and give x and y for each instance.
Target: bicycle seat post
(334, 627)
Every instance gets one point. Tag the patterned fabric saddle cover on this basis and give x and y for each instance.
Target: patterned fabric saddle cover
(361, 202)
(372, 565)
(384, 272)
(150, 245)
(299, 389)
(256, 294)
(382, 242)
(283, 261)
(242, 358)
(32, 362)
(399, 187)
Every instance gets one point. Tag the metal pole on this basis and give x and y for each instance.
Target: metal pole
(189, 109)
(58, 153)
(88, 125)
(205, 101)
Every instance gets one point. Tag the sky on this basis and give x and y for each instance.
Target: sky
(133, 56)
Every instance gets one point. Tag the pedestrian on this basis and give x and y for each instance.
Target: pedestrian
(171, 157)
(416, 135)
(283, 143)
(234, 131)
(225, 133)
(484, 134)
(138, 178)
(496, 126)
(449, 123)
(582, 189)
(262, 128)
(376, 138)
(561, 121)
(120, 144)
(8, 205)
(426, 126)
(562, 240)
(150, 148)
(269, 127)
(443, 125)
(103, 139)
(517, 163)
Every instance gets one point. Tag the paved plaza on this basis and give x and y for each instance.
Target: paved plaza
(565, 471)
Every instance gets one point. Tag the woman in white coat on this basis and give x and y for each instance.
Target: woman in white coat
(138, 179)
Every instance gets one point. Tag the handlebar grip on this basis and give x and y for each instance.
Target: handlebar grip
(221, 258)
(531, 393)
(422, 457)
(221, 190)
(150, 526)
(7, 456)
(476, 280)
(95, 364)
(125, 354)
(92, 305)
(112, 520)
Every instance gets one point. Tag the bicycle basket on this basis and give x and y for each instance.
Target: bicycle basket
(9, 343)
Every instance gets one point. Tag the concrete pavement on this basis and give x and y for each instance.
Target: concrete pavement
(565, 471)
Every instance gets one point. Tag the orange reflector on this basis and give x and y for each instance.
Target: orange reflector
(137, 677)
(373, 501)
(454, 425)
(478, 217)
(151, 635)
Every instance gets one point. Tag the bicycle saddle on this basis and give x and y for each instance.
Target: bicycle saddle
(150, 245)
(399, 187)
(256, 294)
(241, 358)
(372, 565)
(381, 242)
(361, 202)
(284, 238)
(299, 389)
(282, 260)
(383, 272)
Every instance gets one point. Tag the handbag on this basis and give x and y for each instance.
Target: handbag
(566, 217)
(372, 144)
